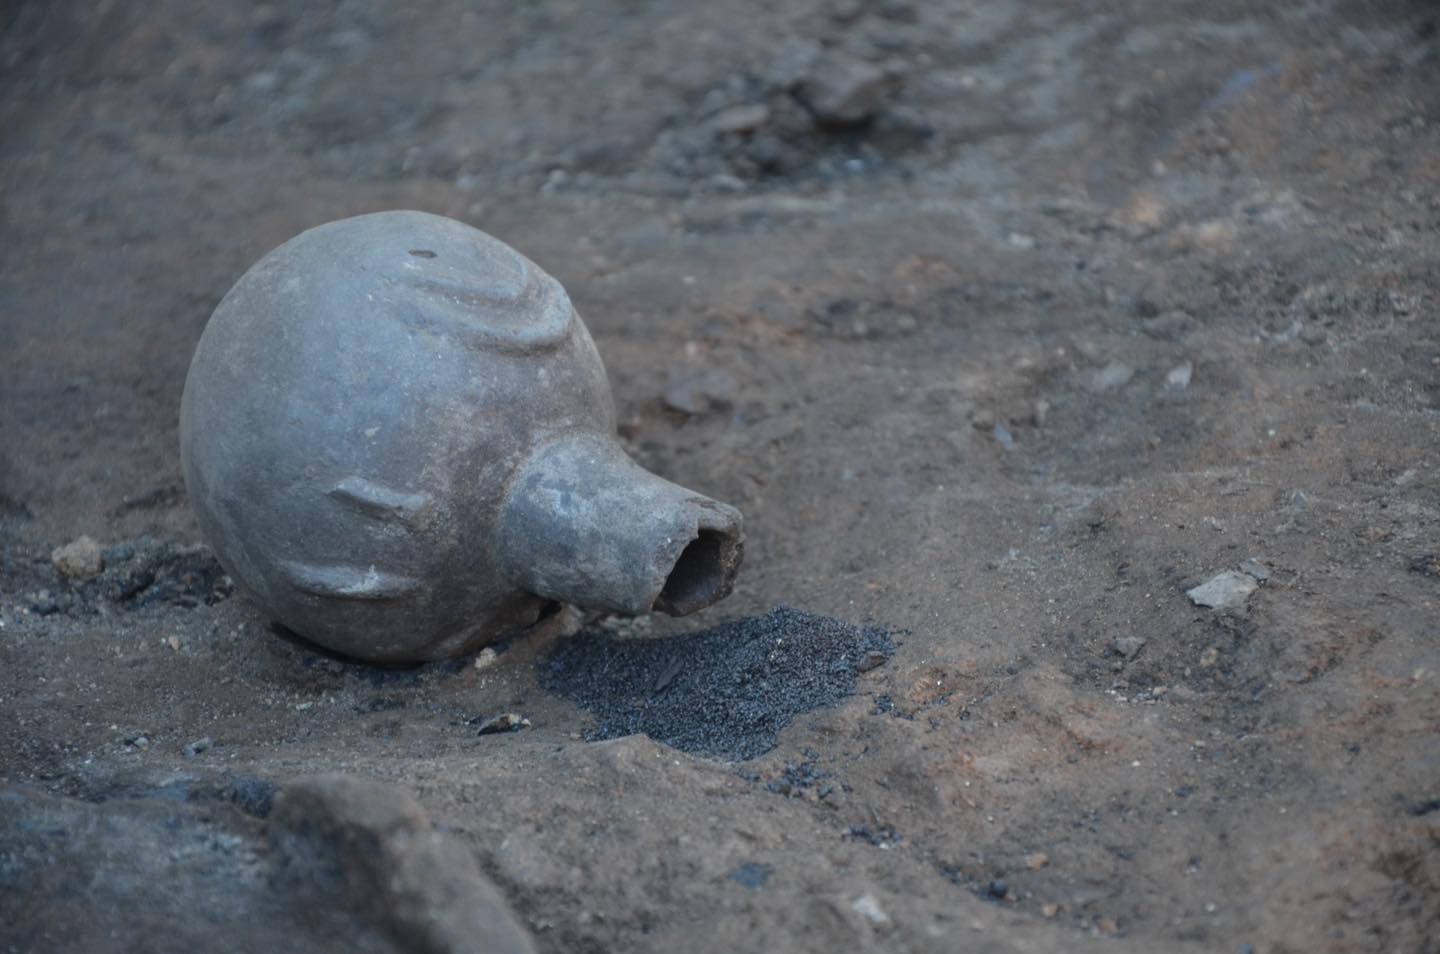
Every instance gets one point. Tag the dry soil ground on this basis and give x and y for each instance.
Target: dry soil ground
(1095, 301)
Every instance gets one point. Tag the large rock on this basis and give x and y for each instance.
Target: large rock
(177, 867)
(372, 845)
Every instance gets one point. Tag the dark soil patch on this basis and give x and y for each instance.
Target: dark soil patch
(724, 692)
(148, 572)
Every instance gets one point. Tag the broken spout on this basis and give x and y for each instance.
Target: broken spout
(584, 524)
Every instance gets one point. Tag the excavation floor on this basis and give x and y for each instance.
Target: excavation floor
(1102, 301)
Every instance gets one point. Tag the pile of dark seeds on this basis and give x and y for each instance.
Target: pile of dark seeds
(724, 692)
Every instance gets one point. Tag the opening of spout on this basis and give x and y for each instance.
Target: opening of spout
(703, 575)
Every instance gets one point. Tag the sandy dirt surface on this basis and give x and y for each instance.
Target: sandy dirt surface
(1005, 324)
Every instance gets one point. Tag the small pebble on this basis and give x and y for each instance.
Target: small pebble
(868, 908)
(1166, 327)
(1129, 646)
(700, 392)
(842, 91)
(1225, 590)
(724, 182)
(871, 660)
(1036, 860)
(998, 889)
(79, 559)
(118, 553)
(1112, 377)
(1178, 379)
(507, 722)
(752, 874)
(198, 746)
(740, 119)
(44, 604)
(1256, 569)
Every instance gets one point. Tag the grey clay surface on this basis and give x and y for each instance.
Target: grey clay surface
(398, 436)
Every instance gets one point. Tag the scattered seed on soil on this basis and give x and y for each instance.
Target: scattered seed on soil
(724, 692)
